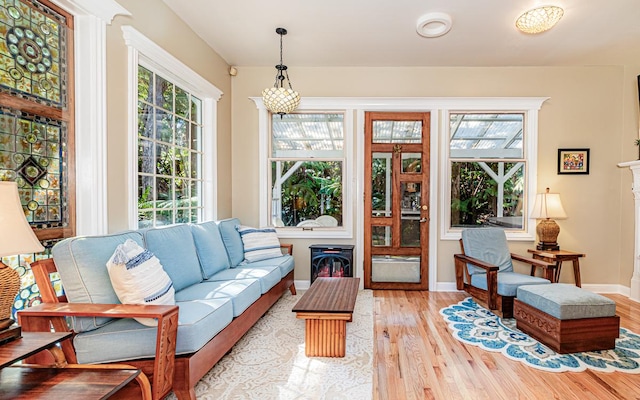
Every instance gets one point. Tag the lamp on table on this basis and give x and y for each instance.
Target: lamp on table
(548, 208)
(16, 237)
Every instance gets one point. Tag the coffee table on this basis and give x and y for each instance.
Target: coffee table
(326, 308)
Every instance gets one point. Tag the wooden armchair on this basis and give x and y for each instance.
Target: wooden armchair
(485, 269)
(54, 310)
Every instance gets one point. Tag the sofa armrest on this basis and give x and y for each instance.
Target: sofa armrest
(42, 317)
(288, 247)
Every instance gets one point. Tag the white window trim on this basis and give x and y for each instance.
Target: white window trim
(529, 106)
(143, 51)
(90, 21)
(309, 105)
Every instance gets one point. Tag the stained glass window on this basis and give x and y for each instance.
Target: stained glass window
(36, 124)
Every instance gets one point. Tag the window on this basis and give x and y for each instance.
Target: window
(307, 170)
(169, 152)
(490, 159)
(172, 137)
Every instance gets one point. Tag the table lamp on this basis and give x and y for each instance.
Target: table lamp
(546, 208)
(16, 237)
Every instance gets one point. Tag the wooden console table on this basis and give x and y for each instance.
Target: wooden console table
(62, 380)
(326, 307)
(558, 257)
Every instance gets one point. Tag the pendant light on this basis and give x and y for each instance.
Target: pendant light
(278, 99)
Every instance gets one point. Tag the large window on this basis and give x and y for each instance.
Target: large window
(307, 170)
(172, 138)
(169, 152)
(487, 170)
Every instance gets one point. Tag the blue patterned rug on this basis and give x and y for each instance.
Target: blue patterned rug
(477, 326)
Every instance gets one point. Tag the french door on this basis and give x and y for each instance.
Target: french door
(396, 201)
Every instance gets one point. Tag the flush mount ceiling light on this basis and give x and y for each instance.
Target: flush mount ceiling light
(278, 99)
(433, 24)
(539, 19)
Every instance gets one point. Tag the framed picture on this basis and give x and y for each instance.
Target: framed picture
(573, 161)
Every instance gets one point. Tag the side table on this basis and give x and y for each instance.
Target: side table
(558, 257)
(62, 380)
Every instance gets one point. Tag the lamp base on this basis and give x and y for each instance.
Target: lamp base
(547, 246)
(9, 334)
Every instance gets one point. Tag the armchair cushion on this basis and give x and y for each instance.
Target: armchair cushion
(508, 282)
(488, 245)
(138, 278)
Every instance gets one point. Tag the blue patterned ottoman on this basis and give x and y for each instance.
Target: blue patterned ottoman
(566, 318)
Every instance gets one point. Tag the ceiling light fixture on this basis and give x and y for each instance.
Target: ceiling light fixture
(433, 24)
(278, 99)
(539, 19)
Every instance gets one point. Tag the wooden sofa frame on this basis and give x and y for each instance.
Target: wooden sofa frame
(167, 371)
(490, 298)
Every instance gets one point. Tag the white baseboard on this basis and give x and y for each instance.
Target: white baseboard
(302, 285)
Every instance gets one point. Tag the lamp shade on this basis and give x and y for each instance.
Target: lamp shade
(548, 206)
(16, 236)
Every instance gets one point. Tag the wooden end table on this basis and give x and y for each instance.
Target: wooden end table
(558, 257)
(326, 308)
(61, 381)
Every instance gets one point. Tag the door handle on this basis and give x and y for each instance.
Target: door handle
(423, 220)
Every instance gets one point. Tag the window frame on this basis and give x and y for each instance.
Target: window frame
(309, 158)
(529, 108)
(308, 105)
(144, 52)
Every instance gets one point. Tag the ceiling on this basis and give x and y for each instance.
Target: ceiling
(382, 33)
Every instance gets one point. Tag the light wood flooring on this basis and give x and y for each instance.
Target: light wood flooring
(416, 357)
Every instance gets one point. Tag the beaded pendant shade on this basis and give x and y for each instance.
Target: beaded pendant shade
(278, 99)
(539, 19)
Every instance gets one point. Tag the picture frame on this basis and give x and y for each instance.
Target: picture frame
(573, 161)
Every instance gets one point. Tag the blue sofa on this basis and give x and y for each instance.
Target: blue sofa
(218, 295)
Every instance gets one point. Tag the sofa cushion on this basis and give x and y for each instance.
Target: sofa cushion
(210, 247)
(508, 282)
(488, 245)
(176, 250)
(259, 243)
(232, 240)
(198, 322)
(82, 264)
(284, 262)
(565, 301)
(138, 278)
(268, 276)
(242, 292)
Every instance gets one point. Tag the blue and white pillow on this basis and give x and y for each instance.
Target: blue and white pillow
(259, 244)
(137, 277)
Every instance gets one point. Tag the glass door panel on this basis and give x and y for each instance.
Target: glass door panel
(396, 227)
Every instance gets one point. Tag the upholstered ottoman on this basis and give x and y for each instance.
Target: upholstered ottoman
(566, 318)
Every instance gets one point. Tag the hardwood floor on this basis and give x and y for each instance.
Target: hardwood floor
(416, 357)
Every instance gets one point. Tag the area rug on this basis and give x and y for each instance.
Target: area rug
(477, 326)
(269, 361)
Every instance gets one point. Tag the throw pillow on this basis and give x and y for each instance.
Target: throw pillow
(138, 278)
(259, 244)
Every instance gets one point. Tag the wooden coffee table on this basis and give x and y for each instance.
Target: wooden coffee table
(326, 308)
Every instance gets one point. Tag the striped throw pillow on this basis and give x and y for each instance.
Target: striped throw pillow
(259, 244)
(138, 278)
